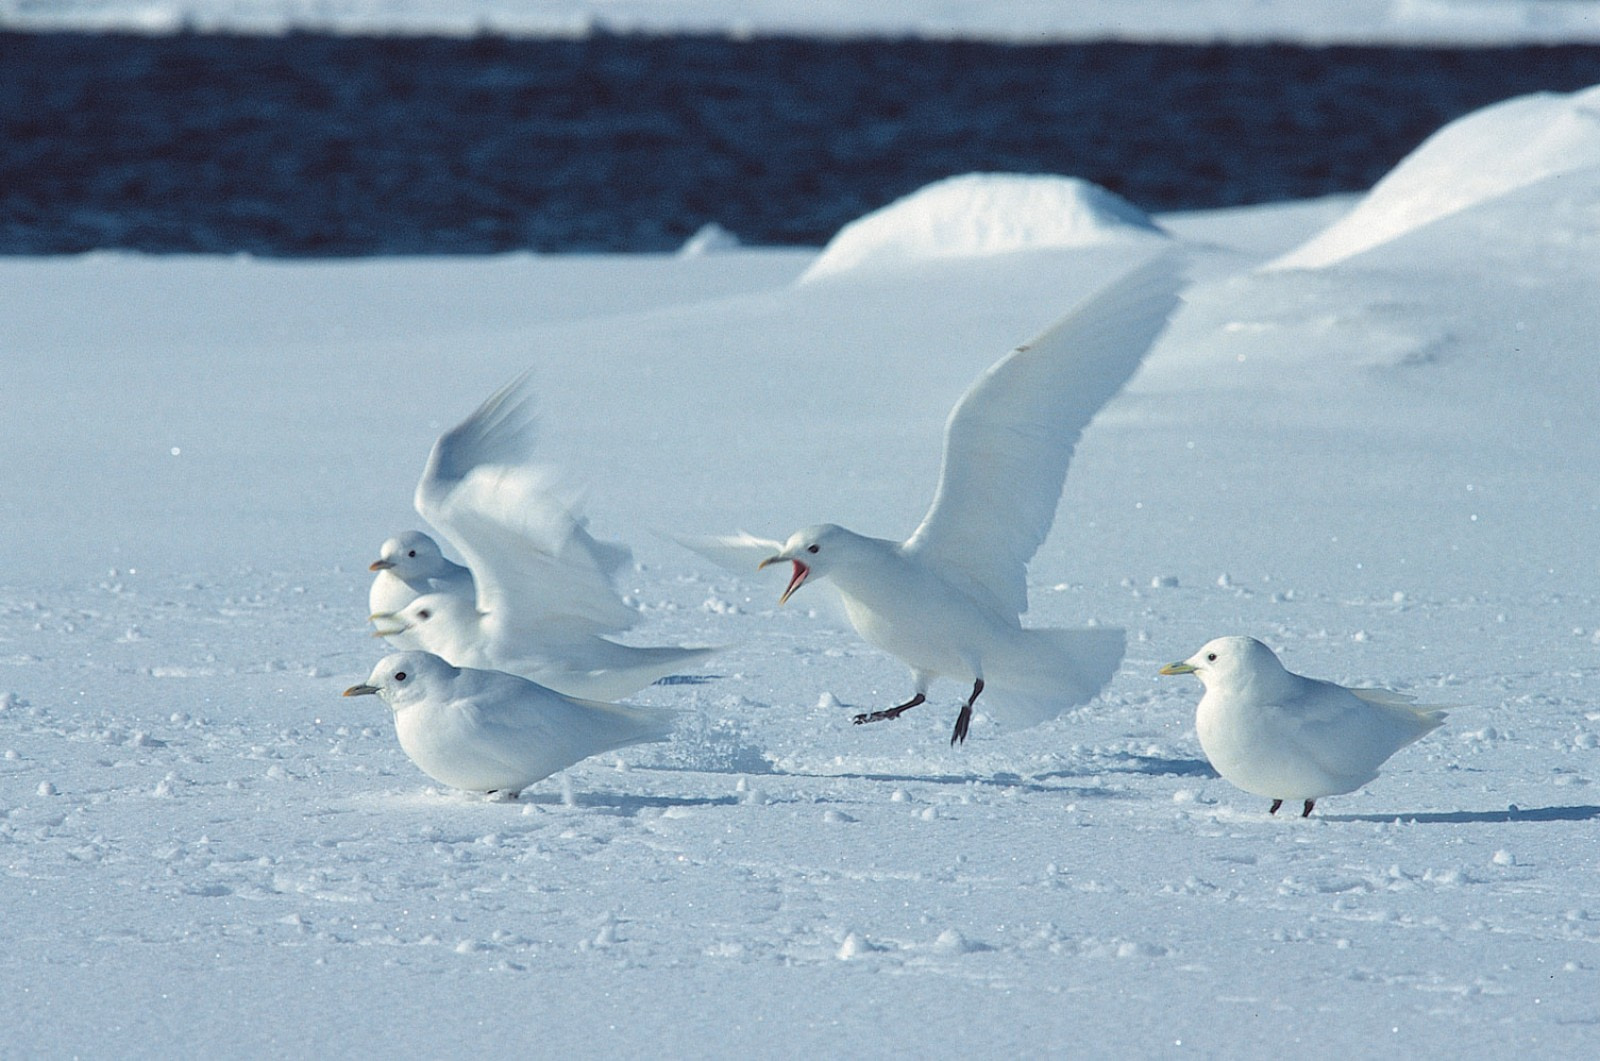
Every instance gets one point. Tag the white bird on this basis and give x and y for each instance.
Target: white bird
(488, 731)
(1284, 736)
(545, 599)
(947, 601)
(408, 566)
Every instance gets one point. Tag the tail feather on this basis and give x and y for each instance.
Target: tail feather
(622, 725)
(614, 671)
(1053, 671)
(1418, 719)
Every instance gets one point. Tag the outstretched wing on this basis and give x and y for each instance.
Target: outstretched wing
(535, 564)
(740, 553)
(1010, 438)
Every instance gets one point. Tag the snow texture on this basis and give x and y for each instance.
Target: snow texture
(1382, 468)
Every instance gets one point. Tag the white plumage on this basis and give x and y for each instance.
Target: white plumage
(487, 731)
(947, 601)
(545, 600)
(1287, 737)
(408, 566)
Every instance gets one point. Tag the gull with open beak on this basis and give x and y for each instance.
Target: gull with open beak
(948, 600)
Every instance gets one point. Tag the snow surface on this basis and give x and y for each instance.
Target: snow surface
(1383, 467)
(1472, 22)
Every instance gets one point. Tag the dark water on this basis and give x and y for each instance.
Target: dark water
(313, 145)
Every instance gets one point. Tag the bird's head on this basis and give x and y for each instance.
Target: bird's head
(410, 556)
(401, 678)
(814, 552)
(427, 611)
(1229, 662)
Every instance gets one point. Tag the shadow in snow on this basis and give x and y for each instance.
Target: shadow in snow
(1478, 817)
(625, 803)
(1000, 780)
(1149, 765)
(688, 679)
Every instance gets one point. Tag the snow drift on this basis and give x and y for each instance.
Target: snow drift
(981, 214)
(1472, 160)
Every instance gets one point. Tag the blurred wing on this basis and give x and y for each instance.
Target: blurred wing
(503, 430)
(740, 553)
(1011, 436)
(535, 564)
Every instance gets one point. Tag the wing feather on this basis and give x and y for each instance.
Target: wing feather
(1010, 438)
(739, 553)
(534, 561)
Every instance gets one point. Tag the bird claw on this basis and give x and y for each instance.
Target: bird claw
(889, 712)
(963, 721)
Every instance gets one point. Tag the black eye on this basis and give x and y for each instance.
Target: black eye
(412, 553)
(813, 548)
(399, 675)
(1211, 657)
(426, 614)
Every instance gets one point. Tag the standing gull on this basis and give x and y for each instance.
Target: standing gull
(487, 731)
(1284, 736)
(545, 601)
(948, 600)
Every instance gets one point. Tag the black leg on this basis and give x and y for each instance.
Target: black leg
(892, 712)
(1275, 805)
(1307, 812)
(964, 719)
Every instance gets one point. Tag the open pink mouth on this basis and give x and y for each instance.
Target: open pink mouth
(795, 580)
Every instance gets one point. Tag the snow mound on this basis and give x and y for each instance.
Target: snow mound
(711, 238)
(1473, 159)
(980, 214)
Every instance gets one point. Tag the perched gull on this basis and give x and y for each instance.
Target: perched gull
(545, 598)
(1280, 735)
(408, 566)
(947, 601)
(487, 731)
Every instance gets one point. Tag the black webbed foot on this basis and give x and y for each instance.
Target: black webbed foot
(890, 712)
(963, 720)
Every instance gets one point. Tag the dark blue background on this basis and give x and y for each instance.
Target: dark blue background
(315, 145)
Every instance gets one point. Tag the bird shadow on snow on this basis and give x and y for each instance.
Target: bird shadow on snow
(1148, 765)
(620, 802)
(1475, 817)
(687, 679)
(1037, 783)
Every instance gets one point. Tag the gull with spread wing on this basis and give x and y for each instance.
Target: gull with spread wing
(948, 600)
(546, 605)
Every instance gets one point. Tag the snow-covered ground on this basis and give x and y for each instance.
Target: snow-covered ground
(1384, 466)
(1472, 22)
